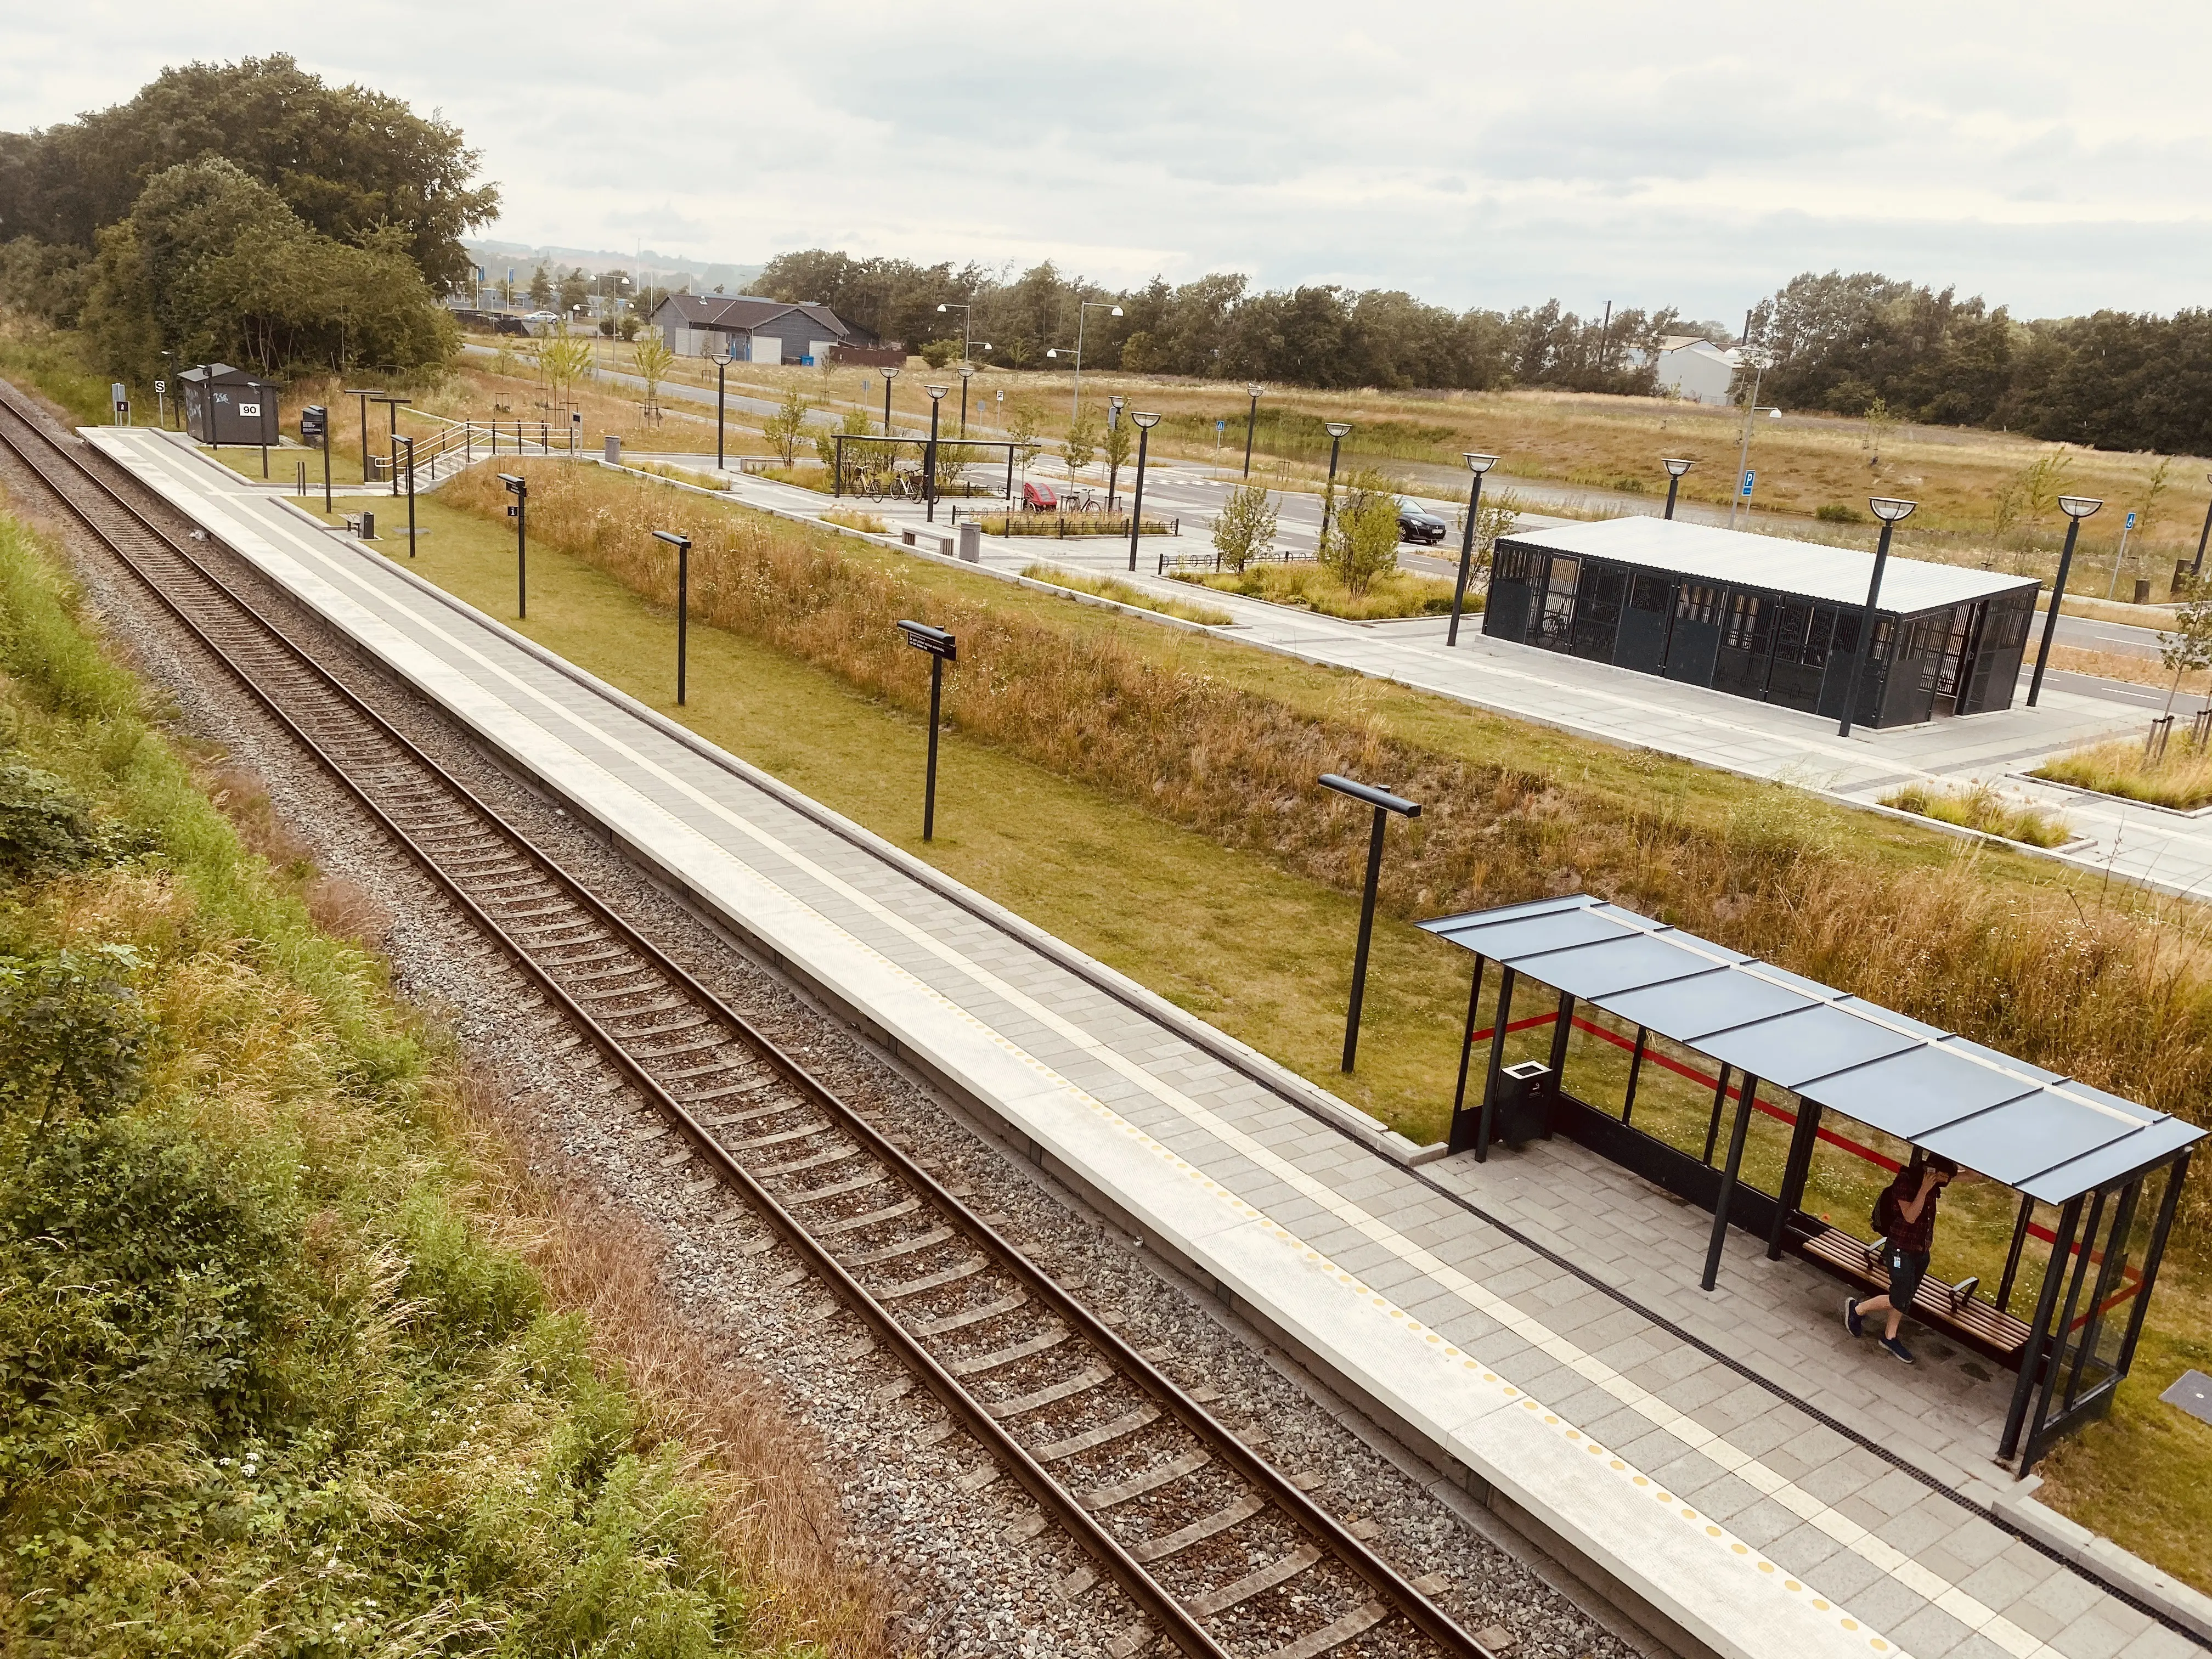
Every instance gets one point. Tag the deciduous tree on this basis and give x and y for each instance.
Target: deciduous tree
(1246, 526)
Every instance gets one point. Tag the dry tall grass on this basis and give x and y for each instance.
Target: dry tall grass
(2180, 778)
(2117, 990)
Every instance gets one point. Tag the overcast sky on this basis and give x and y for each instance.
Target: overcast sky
(2055, 159)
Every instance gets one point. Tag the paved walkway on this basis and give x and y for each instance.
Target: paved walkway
(1738, 1516)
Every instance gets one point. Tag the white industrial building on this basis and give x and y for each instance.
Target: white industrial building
(1693, 368)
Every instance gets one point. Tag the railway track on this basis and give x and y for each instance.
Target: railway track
(1220, 1553)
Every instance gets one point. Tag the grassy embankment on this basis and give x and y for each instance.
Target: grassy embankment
(2181, 778)
(1149, 795)
(297, 1355)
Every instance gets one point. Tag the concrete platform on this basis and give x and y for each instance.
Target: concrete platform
(1528, 1324)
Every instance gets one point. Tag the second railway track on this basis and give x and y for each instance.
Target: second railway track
(1220, 1553)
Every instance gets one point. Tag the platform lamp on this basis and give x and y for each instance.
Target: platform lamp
(889, 375)
(518, 510)
(942, 649)
(1145, 423)
(356, 391)
(683, 546)
(1675, 468)
(1477, 465)
(410, 442)
(967, 373)
(1252, 389)
(1891, 511)
(721, 360)
(2204, 535)
(1114, 405)
(1384, 804)
(2076, 509)
(929, 457)
(1336, 429)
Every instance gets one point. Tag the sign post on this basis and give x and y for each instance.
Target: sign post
(161, 392)
(122, 400)
(943, 649)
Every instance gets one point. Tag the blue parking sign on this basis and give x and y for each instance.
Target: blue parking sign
(1749, 474)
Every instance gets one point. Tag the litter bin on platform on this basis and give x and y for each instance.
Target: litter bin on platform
(971, 542)
(1524, 1103)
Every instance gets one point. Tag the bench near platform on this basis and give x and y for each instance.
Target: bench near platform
(1953, 1310)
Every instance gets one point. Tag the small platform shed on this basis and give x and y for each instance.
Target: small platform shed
(1778, 1105)
(227, 405)
(1773, 620)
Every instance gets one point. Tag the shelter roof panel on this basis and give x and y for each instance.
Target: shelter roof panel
(1689, 1010)
(1624, 961)
(1796, 1047)
(2027, 1137)
(2151, 1145)
(1920, 1089)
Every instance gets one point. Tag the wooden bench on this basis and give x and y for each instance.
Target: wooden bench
(918, 537)
(1954, 1309)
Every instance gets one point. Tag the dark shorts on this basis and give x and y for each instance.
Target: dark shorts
(1906, 1270)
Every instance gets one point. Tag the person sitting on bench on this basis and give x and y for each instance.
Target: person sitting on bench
(1904, 1215)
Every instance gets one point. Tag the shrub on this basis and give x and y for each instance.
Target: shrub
(43, 825)
(1245, 526)
(1362, 542)
(1838, 513)
(72, 1034)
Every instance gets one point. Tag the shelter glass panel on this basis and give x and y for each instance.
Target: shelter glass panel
(1601, 1055)
(1674, 1095)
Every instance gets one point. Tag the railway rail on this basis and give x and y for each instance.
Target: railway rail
(1221, 1554)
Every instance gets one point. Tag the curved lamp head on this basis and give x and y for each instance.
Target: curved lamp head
(936, 392)
(2079, 506)
(1889, 509)
(1676, 466)
(1337, 429)
(887, 371)
(1773, 414)
(964, 370)
(1254, 387)
(1143, 420)
(1478, 464)
(725, 357)
(944, 307)
(1116, 401)
(1053, 351)
(1116, 312)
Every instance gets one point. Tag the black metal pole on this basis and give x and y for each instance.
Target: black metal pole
(1366, 931)
(2176, 1175)
(682, 615)
(2031, 1358)
(1465, 559)
(521, 556)
(887, 408)
(929, 781)
(1251, 420)
(1866, 630)
(1500, 1018)
(1727, 1180)
(963, 405)
(1673, 483)
(410, 442)
(1454, 1136)
(721, 384)
(1327, 500)
(392, 409)
(1804, 1135)
(2196, 568)
(2020, 1226)
(929, 469)
(326, 464)
(1137, 507)
(2050, 616)
(364, 437)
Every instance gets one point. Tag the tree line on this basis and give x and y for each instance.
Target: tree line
(248, 212)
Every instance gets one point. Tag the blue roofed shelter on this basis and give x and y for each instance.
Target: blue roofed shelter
(2110, 1169)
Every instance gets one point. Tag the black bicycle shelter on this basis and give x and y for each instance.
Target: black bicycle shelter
(1646, 1014)
(1759, 617)
(863, 442)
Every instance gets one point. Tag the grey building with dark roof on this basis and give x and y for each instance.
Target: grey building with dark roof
(1761, 617)
(754, 330)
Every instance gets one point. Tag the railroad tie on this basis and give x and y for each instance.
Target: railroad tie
(855, 1223)
(991, 1362)
(1198, 1531)
(1329, 1638)
(967, 1317)
(893, 1252)
(781, 1138)
(838, 1189)
(1084, 1381)
(1258, 1581)
(834, 1155)
(1105, 1435)
(973, 1265)
(1104, 1498)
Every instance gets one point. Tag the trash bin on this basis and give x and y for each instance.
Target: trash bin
(368, 527)
(2142, 590)
(971, 542)
(1524, 1104)
(614, 450)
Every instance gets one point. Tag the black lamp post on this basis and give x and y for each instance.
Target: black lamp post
(1251, 422)
(1676, 469)
(889, 375)
(1477, 465)
(967, 373)
(683, 546)
(1336, 430)
(723, 359)
(518, 510)
(2204, 535)
(2076, 509)
(364, 396)
(315, 427)
(391, 409)
(1384, 804)
(943, 649)
(1144, 424)
(1891, 511)
(929, 461)
(410, 442)
(1114, 407)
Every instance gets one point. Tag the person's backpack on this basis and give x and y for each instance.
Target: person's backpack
(1884, 1218)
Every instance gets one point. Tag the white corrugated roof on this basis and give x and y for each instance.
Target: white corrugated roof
(1831, 575)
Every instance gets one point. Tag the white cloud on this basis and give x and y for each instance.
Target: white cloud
(1472, 152)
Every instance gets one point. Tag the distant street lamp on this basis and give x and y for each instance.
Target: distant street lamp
(889, 375)
(722, 360)
(1676, 469)
(1114, 408)
(966, 312)
(1384, 804)
(1083, 310)
(943, 649)
(518, 510)
(967, 373)
(1251, 422)
(2076, 509)
(1758, 363)
(1477, 465)
(1145, 423)
(2196, 569)
(1891, 511)
(929, 460)
(683, 546)
(1336, 430)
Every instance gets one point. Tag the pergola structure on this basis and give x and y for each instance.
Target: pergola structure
(1648, 1007)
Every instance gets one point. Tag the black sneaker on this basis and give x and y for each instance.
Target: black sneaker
(1898, 1351)
(1851, 1316)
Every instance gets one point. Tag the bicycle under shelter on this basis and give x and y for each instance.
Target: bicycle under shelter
(1762, 1096)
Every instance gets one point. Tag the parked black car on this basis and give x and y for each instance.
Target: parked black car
(1417, 523)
